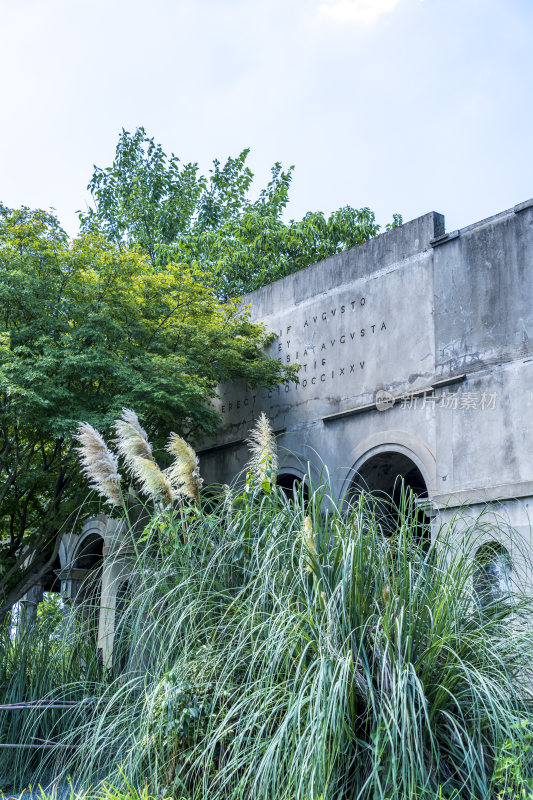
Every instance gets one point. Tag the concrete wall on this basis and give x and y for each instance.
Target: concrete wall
(441, 322)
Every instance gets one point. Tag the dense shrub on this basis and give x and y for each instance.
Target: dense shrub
(287, 648)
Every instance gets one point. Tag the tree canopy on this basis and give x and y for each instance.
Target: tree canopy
(88, 328)
(130, 314)
(172, 212)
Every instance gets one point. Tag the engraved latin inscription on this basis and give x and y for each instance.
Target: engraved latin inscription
(333, 347)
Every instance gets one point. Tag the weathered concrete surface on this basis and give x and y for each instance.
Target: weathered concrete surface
(356, 322)
(414, 309)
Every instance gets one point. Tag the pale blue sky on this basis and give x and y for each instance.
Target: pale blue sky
(401, 105)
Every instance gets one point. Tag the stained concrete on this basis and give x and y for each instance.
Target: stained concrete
(443, 324)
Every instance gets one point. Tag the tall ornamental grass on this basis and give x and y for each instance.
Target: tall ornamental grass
(297, 648)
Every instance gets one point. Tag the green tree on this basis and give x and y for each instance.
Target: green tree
(174, 213)
(87, 329)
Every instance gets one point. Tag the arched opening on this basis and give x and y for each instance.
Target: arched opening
(86, 575)
(291, 485)
(492, 574)
(391, 477)
(89, 555)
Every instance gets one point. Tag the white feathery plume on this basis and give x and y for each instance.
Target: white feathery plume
(184, 472)
(131, 439)
(152, 481)
(264, 453)
(227, 494)
(99, 464)
(309, 539)
(132, 443)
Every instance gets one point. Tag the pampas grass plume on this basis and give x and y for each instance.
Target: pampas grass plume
(152, 481)
(99, 464)
(227, 495)
(132, 443)
(264, 454)
(309, 539)
(184, 472)
(131, 439)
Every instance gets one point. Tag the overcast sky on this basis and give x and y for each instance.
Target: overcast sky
(401, 105)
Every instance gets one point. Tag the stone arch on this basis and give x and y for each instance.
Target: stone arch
(394, 441)
(290, 480)
(71, 542)
(93, 529)
(89, 552)
(295, 467)
(66, 574)
(382, 474)
(81, 580)
(385, 466)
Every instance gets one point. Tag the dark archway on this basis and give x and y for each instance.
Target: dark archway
(390, 477)
(87, 576)
(292, 485)
(89, 555)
